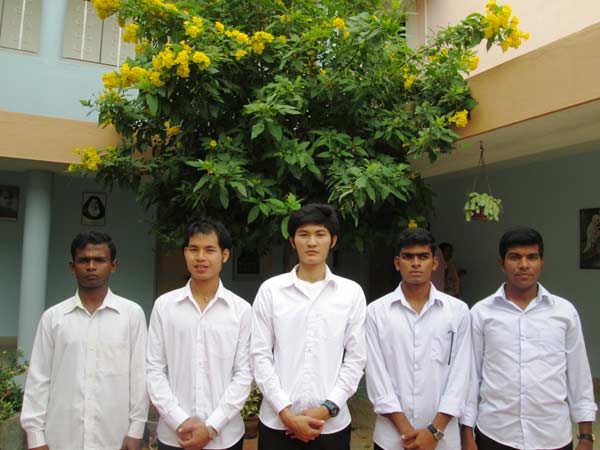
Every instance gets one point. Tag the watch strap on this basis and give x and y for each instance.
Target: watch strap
(586, 436)
(437, 434)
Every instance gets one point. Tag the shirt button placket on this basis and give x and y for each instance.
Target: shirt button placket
(90, 380)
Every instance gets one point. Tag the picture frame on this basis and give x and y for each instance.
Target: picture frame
(589, 238)
(248, 265)
(93, 208)
(9, 203)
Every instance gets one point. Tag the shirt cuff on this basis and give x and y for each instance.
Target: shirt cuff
(280, 401)
(387, 405)
(217, 419)
(338, 396)
(136, 429)
(584, 414)
(36, 439)
(451, 406)
(176, 417)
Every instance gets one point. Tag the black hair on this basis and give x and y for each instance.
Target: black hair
(207, 226)
(520, 235)
(86, 238)
(445, 245)
(315, 214)
(416, 236)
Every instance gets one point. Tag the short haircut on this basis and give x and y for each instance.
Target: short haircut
(416, 236)
(519, 235)
(207, 226)
(315, 214)
(445, 245)
(86, 238)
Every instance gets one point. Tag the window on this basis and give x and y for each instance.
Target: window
(88, 38)
(20, 24)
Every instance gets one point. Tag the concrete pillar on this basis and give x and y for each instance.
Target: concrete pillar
(51, 28)
(34, 261)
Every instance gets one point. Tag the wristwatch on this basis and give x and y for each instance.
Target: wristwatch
(586, 436)
(333, 409)
(437, 434)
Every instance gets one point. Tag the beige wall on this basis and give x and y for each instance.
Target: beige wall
(47, 139)
(546, 20)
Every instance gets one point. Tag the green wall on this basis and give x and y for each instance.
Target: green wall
(546, 195)
(125, 222)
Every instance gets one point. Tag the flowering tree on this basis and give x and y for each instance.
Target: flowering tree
(244, 109)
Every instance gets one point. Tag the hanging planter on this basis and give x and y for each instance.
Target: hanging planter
(482, 206)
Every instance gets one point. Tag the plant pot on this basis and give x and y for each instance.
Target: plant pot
(251, 424)
(479, 216)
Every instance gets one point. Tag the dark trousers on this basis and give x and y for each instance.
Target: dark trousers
(377, 447)
(237, 446)
(486, 443)
(269, 439)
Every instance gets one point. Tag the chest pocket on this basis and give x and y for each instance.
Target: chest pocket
(113, 357)
(443, 347)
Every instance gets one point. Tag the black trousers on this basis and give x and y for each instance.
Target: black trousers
(238, 446)
(270, 439)
(486, 443)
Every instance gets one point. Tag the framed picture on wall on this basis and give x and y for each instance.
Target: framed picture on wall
(589, 238)
(9, 203)
(93, 208)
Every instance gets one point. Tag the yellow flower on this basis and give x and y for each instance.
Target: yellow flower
(90, 158)
(460, 118)
(219, 27)
(413, 224)
(323, 72)
(105, 8)
(213, 143)
(239, 54)
(154, 77)
(195, 27)
(73, 167)
(183, 70)
(130, 33)
(345, 35)
(281, 38)
(261, 36)
(241, 38)
(283, 18)
(165, 58)
(141, 47)
(444, 51)
(173, 131)
(408, 82)
(111, 80)
(473, 62)
(258, 47)
(201, 59)
(339, 23)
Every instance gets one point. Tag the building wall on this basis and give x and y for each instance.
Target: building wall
(546, 21)
(546, 195)
(125, 222)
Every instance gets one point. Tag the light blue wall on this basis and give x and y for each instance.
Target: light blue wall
(546, 195)
(125, 222)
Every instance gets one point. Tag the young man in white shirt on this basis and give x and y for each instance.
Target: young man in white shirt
(532, 373)
(198, 350)
(308, 343)
(86, 384)
(419, 355)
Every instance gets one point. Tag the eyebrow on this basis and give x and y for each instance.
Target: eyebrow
(415, 254)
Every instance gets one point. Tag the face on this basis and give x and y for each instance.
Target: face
(92, 266)
(522, 266)
(415, 264)
(204, 257)
(312, 243)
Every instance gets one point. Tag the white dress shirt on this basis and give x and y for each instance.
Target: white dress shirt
(308, 347)
(532, 370)
(86, 384)
(198, 363)
(418, 364)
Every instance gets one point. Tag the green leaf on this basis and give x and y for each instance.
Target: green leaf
(152, 102)
(275, 130)
(284, 227)
(224, 196)
(253, 214)
(257, 129)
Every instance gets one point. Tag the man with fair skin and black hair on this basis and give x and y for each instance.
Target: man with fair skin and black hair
(198, 350)
(308, 344)
(86, 384)
(419, 355)
(532, 376)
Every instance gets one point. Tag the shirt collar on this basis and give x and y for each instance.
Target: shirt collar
(542, 295)
(293, 276)
(434, 296)
(221, 294)
(109, 301)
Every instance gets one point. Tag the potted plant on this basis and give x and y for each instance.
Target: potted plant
(12, 436)
(482, 206)
(250, 412)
